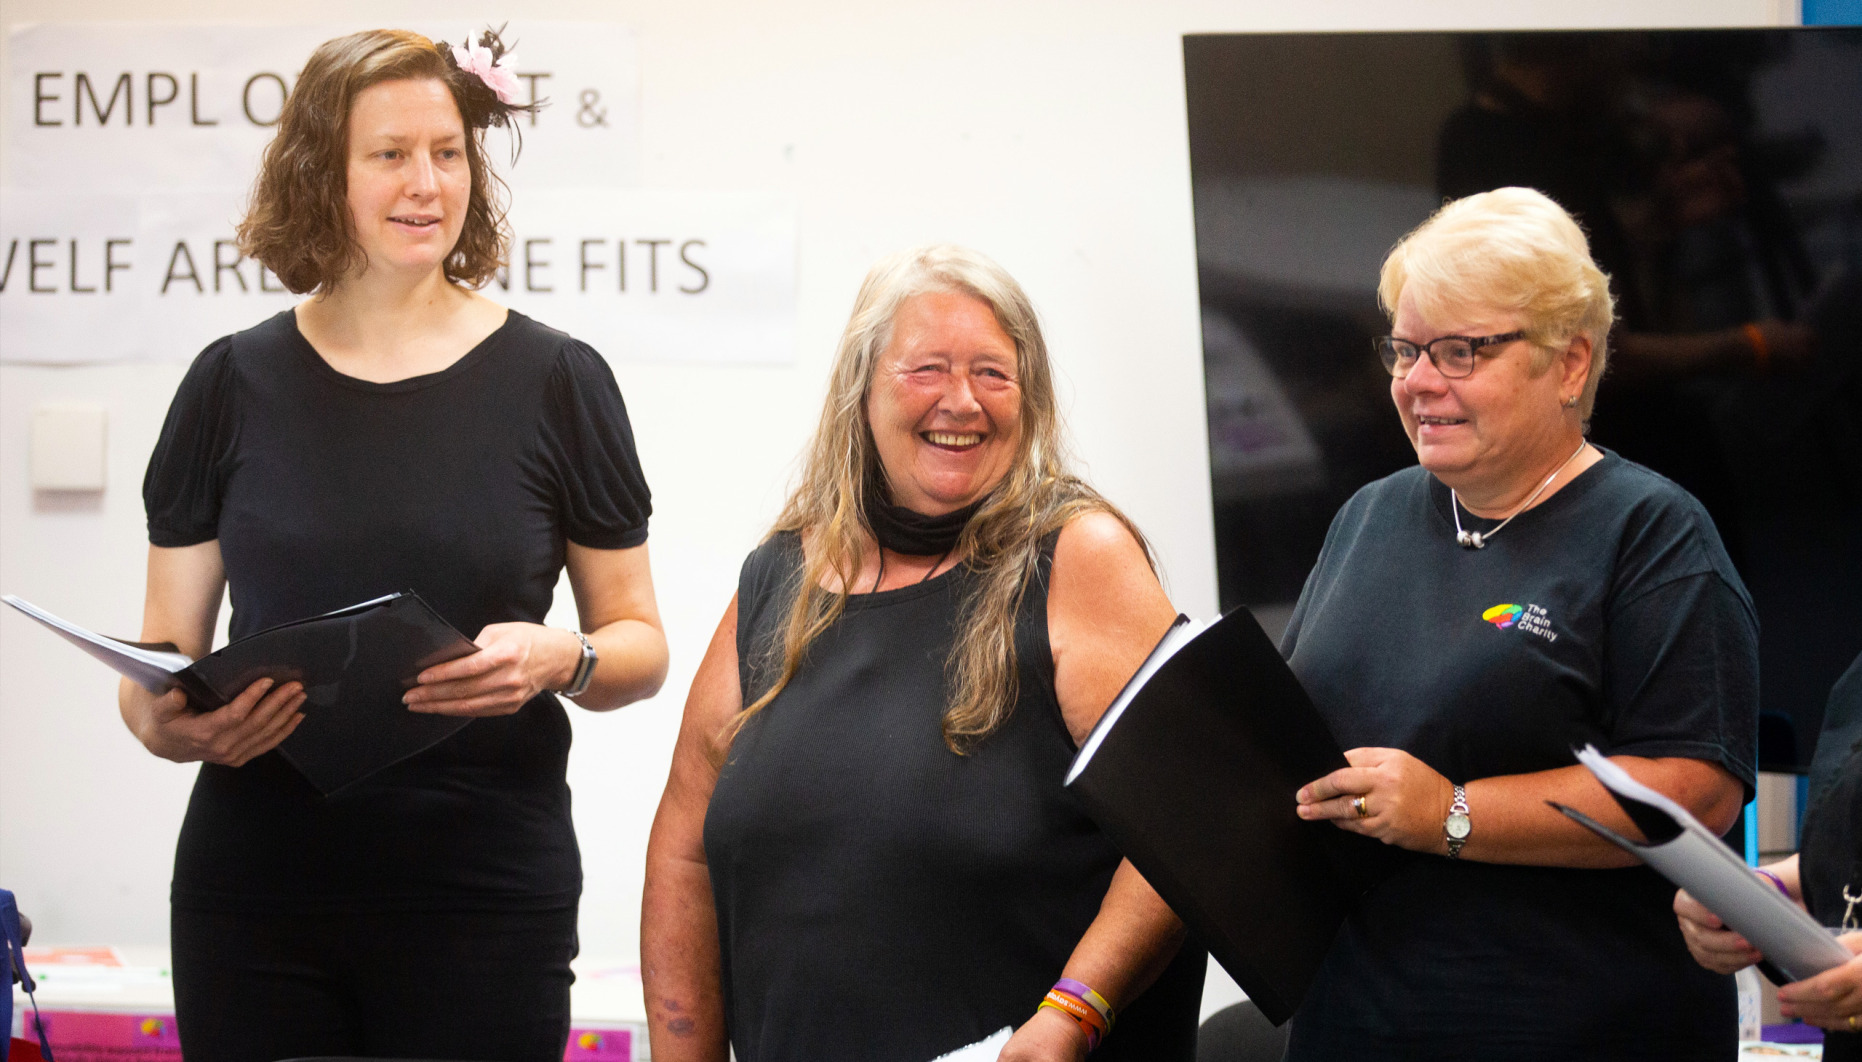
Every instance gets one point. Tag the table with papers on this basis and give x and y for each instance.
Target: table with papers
(119, 1004)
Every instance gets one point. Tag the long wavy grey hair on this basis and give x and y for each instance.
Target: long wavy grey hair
(1001, 544)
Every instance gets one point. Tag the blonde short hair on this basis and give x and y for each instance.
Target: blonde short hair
(1512, 250)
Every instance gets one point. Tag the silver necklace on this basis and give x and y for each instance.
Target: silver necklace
(1477, 539)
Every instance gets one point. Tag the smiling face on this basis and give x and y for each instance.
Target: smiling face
(409, 180)
(945, 403)
(1498, 426)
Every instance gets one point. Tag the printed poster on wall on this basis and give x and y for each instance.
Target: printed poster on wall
(145, 106)
(128, 150)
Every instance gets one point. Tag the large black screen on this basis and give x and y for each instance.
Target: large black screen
(1719, 176)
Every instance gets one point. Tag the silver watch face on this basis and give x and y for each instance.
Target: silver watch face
(1458, 827)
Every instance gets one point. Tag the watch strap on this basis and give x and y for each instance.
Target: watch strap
(584, 671)
(1459, 807)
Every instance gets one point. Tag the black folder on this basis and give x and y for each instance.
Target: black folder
(1192, 772)
(355, 663)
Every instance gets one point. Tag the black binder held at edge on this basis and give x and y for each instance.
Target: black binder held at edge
(354, 663)
(1192, 773)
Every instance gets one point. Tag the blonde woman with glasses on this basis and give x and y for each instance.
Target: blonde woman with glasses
(1470, 620)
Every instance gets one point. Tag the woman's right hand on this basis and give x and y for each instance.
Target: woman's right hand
(249, 725)
(1711, 943)
(1048, 1036)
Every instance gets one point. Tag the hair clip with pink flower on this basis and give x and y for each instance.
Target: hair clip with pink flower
(491, 91)
(478, 59)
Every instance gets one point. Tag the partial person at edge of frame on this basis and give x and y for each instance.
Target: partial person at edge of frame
(1824, 877)
(394, 430)
(1535, 593)
(865, 850)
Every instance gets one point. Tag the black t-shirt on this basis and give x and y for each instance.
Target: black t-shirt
(1830, 862)
(1841, 731)
(879, 896)
(324, 490)
(1608, 615)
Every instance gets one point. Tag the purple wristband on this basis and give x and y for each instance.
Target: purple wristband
(1775, 880)
(1088, 997)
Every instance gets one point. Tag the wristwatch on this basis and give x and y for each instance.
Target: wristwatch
(584, 671)
(1457, 826)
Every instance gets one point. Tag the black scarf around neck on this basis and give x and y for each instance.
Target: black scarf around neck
(912, 533)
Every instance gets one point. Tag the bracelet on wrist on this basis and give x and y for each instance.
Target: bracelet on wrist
(1085, 994)
(1775, 880)
(1088, 1015)
(584, 669)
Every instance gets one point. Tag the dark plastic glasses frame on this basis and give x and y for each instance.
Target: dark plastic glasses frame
(1391, 350)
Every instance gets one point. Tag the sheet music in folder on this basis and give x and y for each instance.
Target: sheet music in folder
(1192, 773)
(1689, 855)
(354, 662)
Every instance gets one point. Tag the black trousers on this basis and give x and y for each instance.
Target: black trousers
(456, 985)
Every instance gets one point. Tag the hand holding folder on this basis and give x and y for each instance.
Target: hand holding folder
(354, 663)
(1689, 855)
(1192, 772)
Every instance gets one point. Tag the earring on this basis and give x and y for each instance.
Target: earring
(1571, 403)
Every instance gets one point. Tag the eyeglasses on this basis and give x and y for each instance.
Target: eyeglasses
(1453, 355)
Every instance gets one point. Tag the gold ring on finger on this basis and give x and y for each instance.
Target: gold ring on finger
(1360, 807)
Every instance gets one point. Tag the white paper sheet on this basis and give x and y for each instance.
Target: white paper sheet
(982, 1050)
(1715, 875)
(148, 668)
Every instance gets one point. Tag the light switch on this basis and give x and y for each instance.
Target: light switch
(67, 450)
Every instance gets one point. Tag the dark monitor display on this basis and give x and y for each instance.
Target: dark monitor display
(1718, 174)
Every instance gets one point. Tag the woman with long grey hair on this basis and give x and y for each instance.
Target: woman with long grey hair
(864, 849)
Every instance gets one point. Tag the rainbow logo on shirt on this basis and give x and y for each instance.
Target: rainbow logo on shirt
(1502, 616)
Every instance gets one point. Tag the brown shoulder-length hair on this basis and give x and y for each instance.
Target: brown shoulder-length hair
(298, 223)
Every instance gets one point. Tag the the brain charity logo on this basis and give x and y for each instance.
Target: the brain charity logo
(1502, 616)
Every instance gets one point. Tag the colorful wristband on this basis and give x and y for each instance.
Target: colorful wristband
(1775, 880)
(1091, 998)
(1080, 1011)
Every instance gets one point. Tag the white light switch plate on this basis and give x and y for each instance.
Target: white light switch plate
(68, 451)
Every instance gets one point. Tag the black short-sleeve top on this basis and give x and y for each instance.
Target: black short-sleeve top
(1607, 615)
(1830, 860)
(324, 490)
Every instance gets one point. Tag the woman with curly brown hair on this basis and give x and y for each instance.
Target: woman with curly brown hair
(395, 430)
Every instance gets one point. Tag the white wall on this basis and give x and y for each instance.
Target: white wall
(1051, 135)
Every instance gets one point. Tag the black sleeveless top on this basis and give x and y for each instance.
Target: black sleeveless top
(878, 896)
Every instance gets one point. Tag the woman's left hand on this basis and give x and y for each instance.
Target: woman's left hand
(1833, 998)
(1405, 801)
(1049, 1036)
(514, 662)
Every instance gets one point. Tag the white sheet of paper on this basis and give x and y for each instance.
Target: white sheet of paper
(1716, 876)
(148, 668)
(982, 1050)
